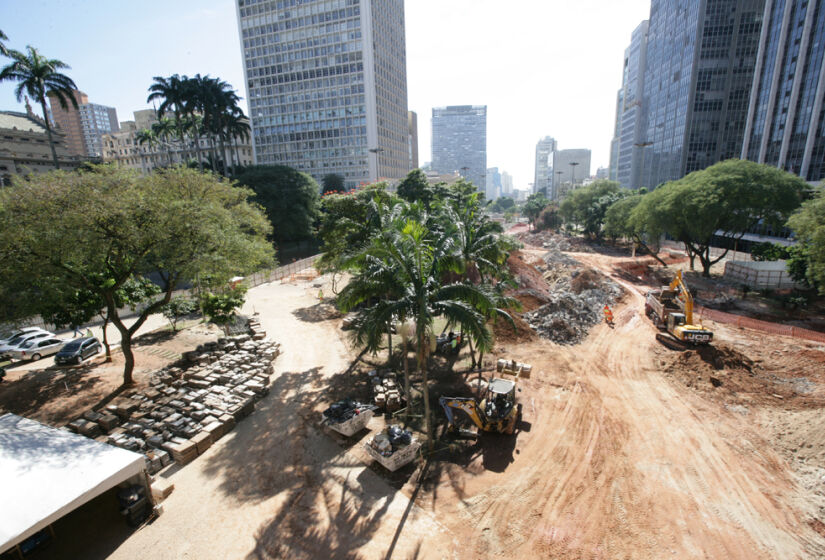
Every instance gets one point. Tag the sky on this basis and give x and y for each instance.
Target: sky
(542, 67)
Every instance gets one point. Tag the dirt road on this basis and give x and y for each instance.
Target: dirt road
(620, 463)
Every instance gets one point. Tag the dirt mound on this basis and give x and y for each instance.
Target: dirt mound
(504, 333)
(526, 276)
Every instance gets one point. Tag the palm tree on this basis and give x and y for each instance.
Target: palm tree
(236, 126)
(3, 50)
(38, 76)
(164, 130)
(172, 93)
(146, 136)
(401, 273)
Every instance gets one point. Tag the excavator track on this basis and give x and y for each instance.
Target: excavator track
(669, 342)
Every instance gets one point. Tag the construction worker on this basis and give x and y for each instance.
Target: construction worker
(608, 315)
(321, 295)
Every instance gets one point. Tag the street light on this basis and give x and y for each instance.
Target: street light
(573, 165)
(557, 185)
(375, 151)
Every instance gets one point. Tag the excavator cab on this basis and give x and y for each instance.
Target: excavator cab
(675, 320)
(500, 398)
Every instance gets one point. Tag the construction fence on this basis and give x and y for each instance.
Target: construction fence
(273, 274)
(760, 275)
(756, 324)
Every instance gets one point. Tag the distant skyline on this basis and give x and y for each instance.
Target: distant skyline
(542, 68)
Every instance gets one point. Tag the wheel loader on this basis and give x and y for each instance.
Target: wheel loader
(671, 309)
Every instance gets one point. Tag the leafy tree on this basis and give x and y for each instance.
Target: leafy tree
(535, 203)
(38, 77)
(808, 222)
(586, 206)
(502, 204)
(729, 197)
(98, 230)
(549, 217)
(221, 306)
(769, 252)
(623, 220)
(177, 308)
(332, 182)
(289, 197)
(415, 188)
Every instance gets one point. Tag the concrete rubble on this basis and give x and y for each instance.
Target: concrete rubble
(575, 302)
(190, 404)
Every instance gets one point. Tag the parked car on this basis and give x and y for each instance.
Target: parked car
(36, 348)
(21, 339)
(7, 337)
(77, 350)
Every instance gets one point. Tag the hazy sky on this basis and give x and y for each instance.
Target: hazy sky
(542, 67)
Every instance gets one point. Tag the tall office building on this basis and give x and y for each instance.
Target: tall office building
(543, 177)
(614, 142)
(326, 82)
(459, 142)
(85, 125)
(412, 125)
(786, 116)
(570, 168)
(506, 184)
(629, 135)
(493, 178)
(698, 76)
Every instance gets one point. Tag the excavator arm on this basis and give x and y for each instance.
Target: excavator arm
(684, 296)
(468, 406)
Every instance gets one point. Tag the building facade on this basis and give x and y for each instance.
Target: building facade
(570, 168)
(786, 115)
(24, 146)
(459, 142)
(326, 82)
(698, 76)
(412, 125)
(83, 126)
(506, 184)
(543, 176)
(494, 187)
(630, 143)
(614, 142)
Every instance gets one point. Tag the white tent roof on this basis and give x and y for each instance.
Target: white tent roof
(45, 473)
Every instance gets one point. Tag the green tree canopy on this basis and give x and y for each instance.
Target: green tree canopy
(808, 222)
(290, 198)
(99, 229)
(502, 204)
(586, 206)
(536, 202)
(332, 182)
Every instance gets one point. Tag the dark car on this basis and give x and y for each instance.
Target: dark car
(78, 350)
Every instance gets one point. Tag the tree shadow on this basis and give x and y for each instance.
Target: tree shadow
(155, 337)
(322, 311)
(26, 395)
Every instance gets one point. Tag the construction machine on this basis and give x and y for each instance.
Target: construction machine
(671, 309)
(498, 411)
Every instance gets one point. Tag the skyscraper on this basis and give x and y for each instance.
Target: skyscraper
(412, 125)
(787, 105)
(698, 76)
(494, 188)
(543, 178)
(327, 85)
(84, 125)
(629, 143)
(460, 142)
(570, 168)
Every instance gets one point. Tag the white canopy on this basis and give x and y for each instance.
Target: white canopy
(45, 473)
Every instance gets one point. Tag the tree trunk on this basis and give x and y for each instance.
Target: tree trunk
(472, 353)
(198, 148)
(49, 132)
(106, 338)
(422, 368)
(406, 383)
(389, 344)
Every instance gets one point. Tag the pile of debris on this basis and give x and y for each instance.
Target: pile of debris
(345, 410)
(386, 394)
(575, 301)
(190, 404)
(393, 447)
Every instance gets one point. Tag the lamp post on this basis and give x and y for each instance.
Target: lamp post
(557, 184)
(573, 165)
(375, 151)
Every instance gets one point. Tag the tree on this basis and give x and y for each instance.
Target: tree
(289, 197)
(221, 306)
(622, 220)
(401, 277)
(502, 204)
(177, 308)
(37, 77)
(808, 222)
(97, 230)
(549, 218)
(769, 252)
(536, 202)
(586, 206)
(415, 187)
(3, 50)
(332, 182)
(728, 198)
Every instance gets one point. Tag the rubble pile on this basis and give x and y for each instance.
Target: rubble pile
(189, 405)
(390, 440)
(575, 302)
(345, 410)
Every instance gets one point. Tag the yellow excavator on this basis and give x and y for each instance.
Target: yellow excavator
(671, 309)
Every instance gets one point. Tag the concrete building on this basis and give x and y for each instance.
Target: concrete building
(506, 184)
(543, 176)
(83, 126)
(570, 167)
(787, 102)
(459, 142)
(602, 173)
(629, 133)
(698, 76)
(614, 142)
(412, 125)
(326, 82)
(123, 148)
(494, 188)
(24, 146)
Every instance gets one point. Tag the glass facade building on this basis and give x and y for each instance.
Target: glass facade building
(543, 178)
(96, 120)
(785, 124)
(629, 114)
(459, 137)
(327, 86)
(698, 76)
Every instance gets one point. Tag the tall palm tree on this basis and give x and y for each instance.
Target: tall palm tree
(146, 136)
(236, 126)
(401, 274)
(165, 131)
(172, 93)
(38, 76)
(3, 50)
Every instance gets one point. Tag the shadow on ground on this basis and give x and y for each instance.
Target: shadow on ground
(317, 313)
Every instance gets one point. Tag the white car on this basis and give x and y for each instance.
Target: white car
(15, 333)
(23, 338)
(35, 348)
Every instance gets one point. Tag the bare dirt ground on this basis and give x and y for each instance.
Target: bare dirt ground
(626, 450)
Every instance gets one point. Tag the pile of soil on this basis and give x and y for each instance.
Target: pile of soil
(526, 275)
(555, 242)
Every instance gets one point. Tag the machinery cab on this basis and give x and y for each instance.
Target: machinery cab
(500, 398)
(675, 320)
